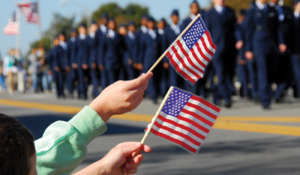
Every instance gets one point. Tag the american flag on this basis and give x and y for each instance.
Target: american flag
(30, 11)
(12, 28)
(185, 120)
(192, 52)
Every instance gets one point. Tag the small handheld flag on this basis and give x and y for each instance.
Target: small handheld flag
(191, 52)
(185, 119)
(12, 28)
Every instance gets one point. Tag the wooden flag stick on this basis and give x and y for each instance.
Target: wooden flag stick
(157, 114)
(164, 54)
(153, 120)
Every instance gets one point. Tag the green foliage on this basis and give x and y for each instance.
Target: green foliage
(59, 23)
(130, 12)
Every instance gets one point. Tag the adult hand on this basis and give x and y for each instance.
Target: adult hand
(118, 160)
(239, 45)
(68, 69)
(249, 55)
(121, 97)
(84, 66)
(56, 69)
(166, 65)
(242, 62)
(140, 66)
(282, 47)
(129, 61)
(101, 67)
(74, 65)
(94, 65)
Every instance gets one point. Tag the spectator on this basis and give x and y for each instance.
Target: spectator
(20, 155)
(32, 69)
(9, 69)
(19, 63)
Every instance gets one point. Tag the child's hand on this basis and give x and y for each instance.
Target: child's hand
(121, 97)
(118, 160)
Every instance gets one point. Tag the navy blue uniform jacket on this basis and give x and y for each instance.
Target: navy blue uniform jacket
(263, 31)
(112, 50)
(83, 51)
(131, 49)
(222, 28)
(150, 50)
(72, 51)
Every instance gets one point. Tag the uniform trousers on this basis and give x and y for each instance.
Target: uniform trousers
(267, 71)
(59, 83)
(296, 69)
(94, 73)
(223, 89)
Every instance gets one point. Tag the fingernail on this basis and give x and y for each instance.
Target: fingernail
(138, 144)
(127, 166)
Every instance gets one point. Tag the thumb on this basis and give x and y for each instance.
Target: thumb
(136, 83)
(129, 147)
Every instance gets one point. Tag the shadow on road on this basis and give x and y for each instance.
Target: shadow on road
(37, 124)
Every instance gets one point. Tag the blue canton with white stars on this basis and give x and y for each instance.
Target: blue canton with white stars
(176, 102)
(194, 33)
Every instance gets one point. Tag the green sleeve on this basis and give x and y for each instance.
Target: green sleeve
(64, 144)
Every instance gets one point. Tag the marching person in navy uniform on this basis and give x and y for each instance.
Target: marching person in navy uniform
(100, 36)
(122, 30)
(59, 55)
(284, 76)
(171, 33)
(296, 45)
(72, 75)
(242, 63)
(93, 64)
(83, 61)
(163, 79)
(52, 61)
(221, 22)
(140, 35)
(112, 52)
(264, 40)
(150, 51)
(131, 50)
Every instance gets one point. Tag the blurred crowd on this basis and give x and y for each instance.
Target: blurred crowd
(18, 74)
(259, 48)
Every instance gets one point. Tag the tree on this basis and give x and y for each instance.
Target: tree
(130, 12)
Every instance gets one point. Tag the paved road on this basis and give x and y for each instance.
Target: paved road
(245, 139)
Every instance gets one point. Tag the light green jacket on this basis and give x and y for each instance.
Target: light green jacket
(64, 144)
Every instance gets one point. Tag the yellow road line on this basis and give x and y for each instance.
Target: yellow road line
(261, 119)
(260, 128)
(42, 106)
(227, 123)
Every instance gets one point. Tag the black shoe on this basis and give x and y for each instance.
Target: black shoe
(216, 103)
(228, 104)
(70, 95)
(256, 99)
(279, 100)
(267, 107)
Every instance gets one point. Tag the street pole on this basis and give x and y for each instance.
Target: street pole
(18, 36)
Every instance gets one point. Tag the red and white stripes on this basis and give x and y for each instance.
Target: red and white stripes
(12, 28)
(191, 63)
(190, 127)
